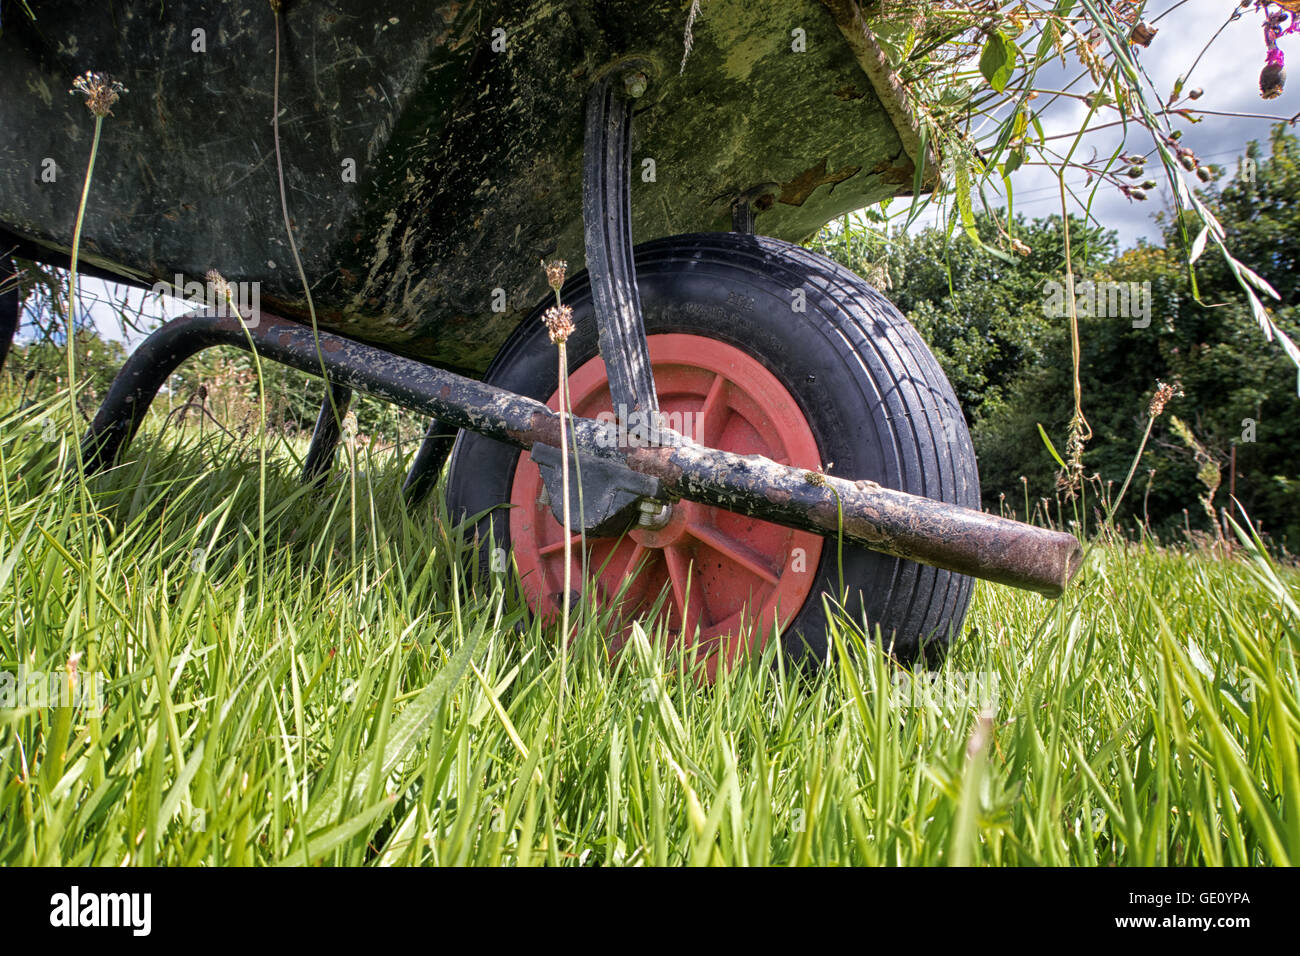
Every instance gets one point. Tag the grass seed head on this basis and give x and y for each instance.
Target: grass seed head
(558, 320)
(555, 272)
(1161, 398)
(100, 90)
(220, 287)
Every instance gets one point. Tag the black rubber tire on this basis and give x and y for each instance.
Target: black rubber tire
(878, 405)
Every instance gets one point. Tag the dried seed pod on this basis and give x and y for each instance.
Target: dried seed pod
(1271, 80)
(1142, 34)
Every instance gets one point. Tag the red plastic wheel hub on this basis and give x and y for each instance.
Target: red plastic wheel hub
(730, 578)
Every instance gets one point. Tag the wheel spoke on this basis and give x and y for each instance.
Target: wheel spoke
(554, 546)
(679, 573)
(638, 549)
(730, 548)
(578, 579)
(610, 584)
(711, 413)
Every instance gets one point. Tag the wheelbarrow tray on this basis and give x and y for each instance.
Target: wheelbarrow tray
(467, 156)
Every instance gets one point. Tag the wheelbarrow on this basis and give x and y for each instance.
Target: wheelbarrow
(759, 433)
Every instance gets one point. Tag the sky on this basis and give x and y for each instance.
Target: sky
(1228, 74)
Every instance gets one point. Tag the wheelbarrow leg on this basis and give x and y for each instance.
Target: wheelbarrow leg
(325, 437)
(8, 306)
(607, 224)
(428, 461)
(607, 221)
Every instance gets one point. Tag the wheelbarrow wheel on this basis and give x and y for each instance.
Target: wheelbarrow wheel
(758, 346)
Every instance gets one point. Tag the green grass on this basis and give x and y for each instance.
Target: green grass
(376, 701)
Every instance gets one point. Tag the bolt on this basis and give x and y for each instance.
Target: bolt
(635, 82)
(654, 514)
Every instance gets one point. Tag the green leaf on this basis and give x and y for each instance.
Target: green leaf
(1050, 447)
(1014, 159)
(1021, 123)
(1038, 127)
(324, 842)
(998, 60)
(406, 731)
(964, 208)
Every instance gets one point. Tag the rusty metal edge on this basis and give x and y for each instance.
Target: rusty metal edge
(889, 88)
